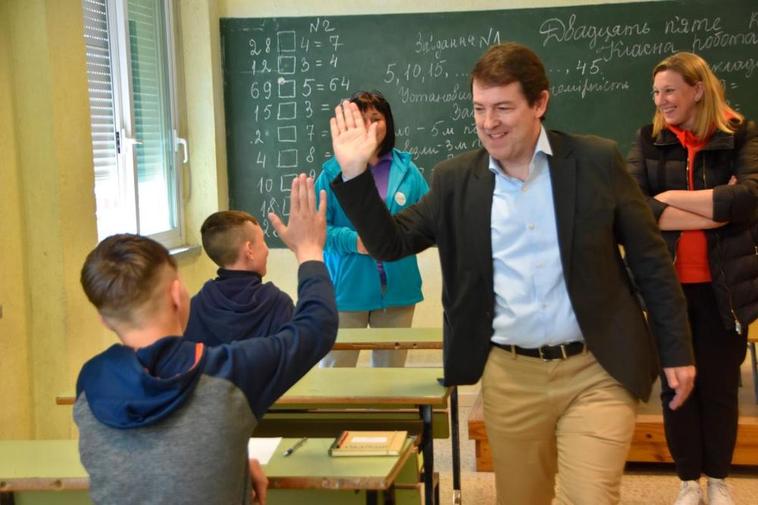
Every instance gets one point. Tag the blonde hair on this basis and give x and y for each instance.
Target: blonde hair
(711, 111)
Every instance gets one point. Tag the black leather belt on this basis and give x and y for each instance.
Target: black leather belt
(546, 352)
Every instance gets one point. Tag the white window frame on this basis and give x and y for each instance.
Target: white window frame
(126, 157)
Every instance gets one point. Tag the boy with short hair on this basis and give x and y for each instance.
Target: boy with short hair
(236, 305)
(166, 421)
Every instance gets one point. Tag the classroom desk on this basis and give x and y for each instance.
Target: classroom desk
(41, 465)
(374, 388)
(368, 388)
(45, 466)
(359, 339)
(372, 474)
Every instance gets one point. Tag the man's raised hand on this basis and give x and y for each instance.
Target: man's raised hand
(353, 144)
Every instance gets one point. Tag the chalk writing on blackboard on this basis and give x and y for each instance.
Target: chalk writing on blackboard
(284, 76)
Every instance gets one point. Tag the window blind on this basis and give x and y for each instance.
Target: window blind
(100, 85)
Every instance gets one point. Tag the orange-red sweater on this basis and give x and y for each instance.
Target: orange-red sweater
(692, 250)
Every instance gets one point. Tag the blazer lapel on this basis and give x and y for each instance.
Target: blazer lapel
(563, 180)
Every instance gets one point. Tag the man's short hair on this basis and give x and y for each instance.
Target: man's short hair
(122, 272)
(222, 235)
(510, 62)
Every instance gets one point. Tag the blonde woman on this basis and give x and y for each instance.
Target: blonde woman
(697, 164)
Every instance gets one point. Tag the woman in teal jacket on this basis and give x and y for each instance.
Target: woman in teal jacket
(369, 292)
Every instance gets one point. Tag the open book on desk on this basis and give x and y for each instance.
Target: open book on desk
(368, 443)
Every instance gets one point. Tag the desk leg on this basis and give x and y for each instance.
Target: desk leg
(427, 449)
(371, 497)
(389, 495)
(754, 363)
(456, 452)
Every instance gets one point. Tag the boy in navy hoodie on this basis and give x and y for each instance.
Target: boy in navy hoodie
(236, 305)
(166, 421)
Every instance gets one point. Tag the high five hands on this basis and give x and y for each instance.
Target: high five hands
(352, 142)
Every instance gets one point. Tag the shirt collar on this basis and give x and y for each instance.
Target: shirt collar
(542, 146)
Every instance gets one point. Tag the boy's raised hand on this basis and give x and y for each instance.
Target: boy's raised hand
(353, 144)
(305, 232)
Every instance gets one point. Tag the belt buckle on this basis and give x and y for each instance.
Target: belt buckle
(564, 355)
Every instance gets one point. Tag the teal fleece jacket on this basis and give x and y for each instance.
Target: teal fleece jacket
(355, 276)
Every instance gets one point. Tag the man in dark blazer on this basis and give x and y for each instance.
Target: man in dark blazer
(537, 300)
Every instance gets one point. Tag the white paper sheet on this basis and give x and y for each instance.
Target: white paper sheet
(262, 448)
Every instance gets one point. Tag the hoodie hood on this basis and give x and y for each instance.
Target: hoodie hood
(235, 306)
(130, 389)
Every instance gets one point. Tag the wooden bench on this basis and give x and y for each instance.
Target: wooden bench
(648, 441)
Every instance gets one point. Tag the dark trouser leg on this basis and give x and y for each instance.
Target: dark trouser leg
(701, 434)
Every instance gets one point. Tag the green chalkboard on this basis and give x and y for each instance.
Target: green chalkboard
(283, 77)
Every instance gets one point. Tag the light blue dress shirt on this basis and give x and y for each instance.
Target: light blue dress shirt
(532, 306)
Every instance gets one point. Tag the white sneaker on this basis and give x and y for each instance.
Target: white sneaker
(718, 492)
(689, 493)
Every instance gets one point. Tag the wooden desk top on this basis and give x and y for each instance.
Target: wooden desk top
(367, 387)
(358, 387)
(351, 339)
(53, 465)
(311, 467)
(41, 465)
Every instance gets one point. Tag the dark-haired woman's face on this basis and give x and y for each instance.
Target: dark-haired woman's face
(374, 116)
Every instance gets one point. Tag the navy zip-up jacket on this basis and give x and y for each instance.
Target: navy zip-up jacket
(234, 306)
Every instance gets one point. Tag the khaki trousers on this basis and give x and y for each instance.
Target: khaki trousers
(565, 416)
(393, 317)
